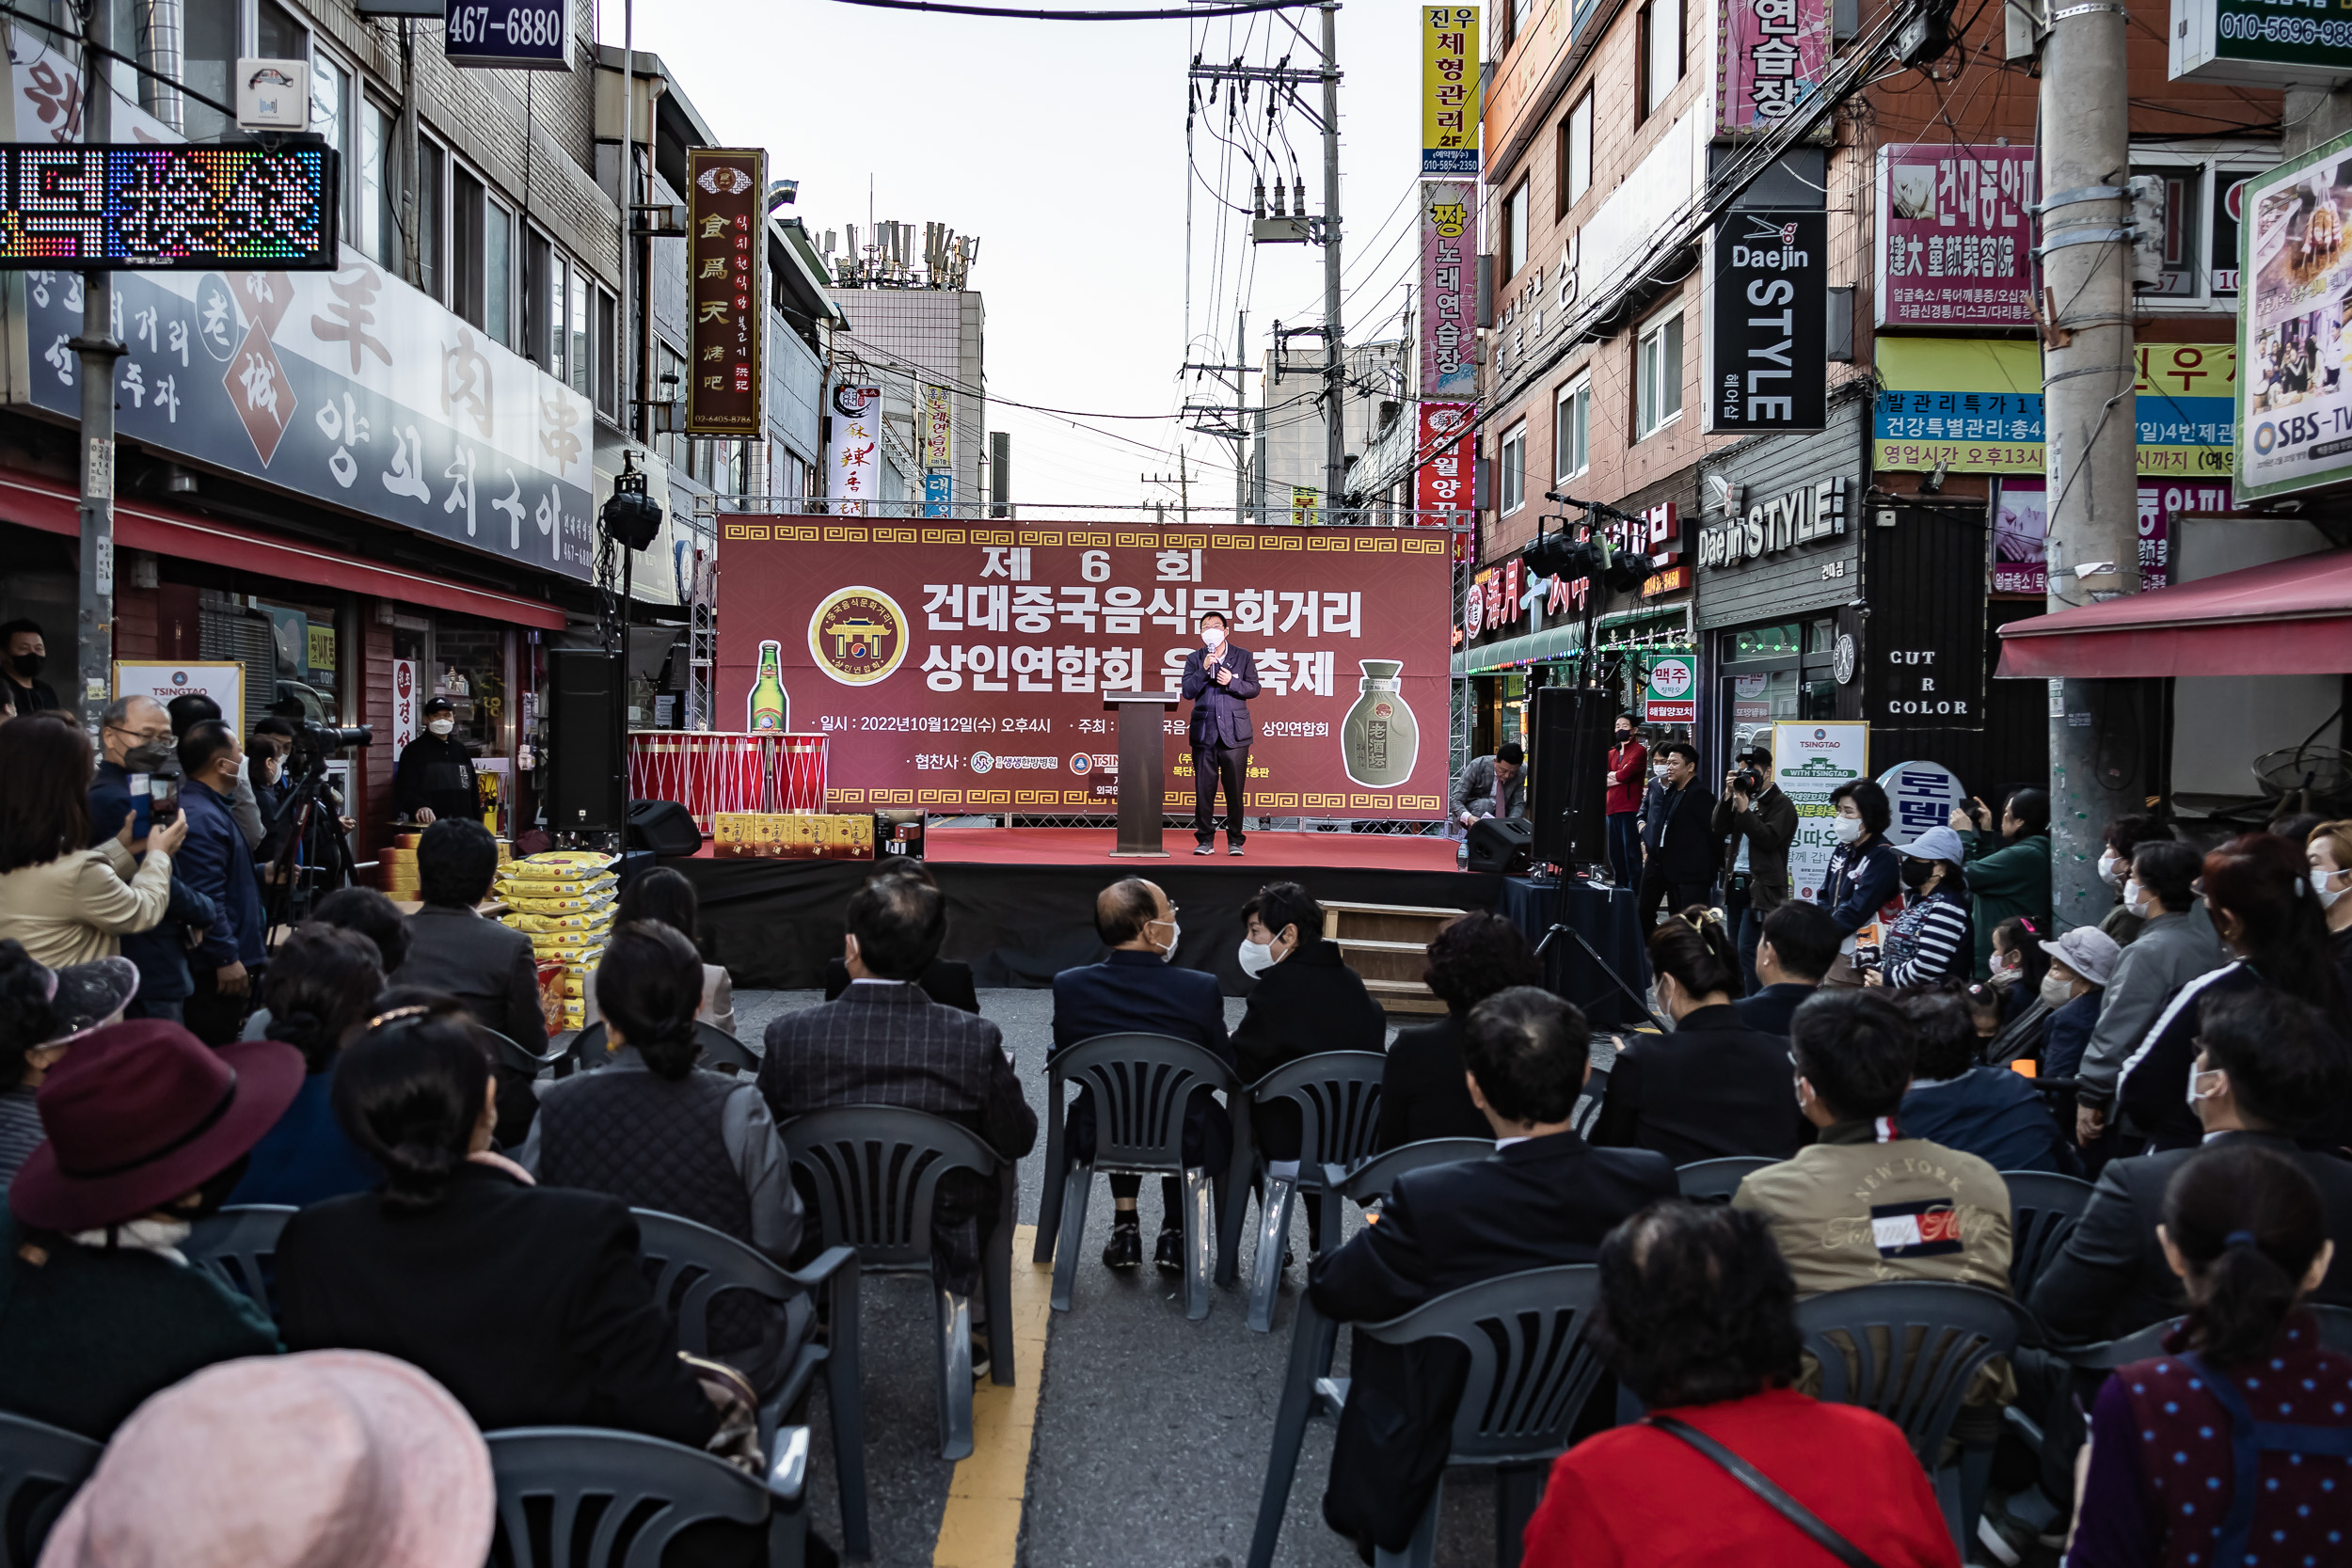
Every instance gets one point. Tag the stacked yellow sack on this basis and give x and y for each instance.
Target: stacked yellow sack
(564, 901)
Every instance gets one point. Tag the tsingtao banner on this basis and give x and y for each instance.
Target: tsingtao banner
(959, 668)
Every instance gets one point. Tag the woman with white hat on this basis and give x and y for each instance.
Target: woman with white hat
(41, 1009)
(1932, 941)
(2081, 963)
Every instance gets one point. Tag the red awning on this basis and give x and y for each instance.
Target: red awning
(143, 526)
(2291, 617)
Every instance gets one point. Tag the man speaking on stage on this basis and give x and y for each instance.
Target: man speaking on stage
(1219, 680)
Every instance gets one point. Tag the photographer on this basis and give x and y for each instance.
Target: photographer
(1761, 822)
(436, 776)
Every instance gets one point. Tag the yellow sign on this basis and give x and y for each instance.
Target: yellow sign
(321, 648)
(1448, 90)
(858, 635)
(1305, 507)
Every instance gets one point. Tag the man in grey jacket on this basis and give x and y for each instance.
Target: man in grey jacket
(2176, 946)
(1491, 786)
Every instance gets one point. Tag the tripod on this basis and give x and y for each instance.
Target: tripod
(1640, 1001)
(314, 845)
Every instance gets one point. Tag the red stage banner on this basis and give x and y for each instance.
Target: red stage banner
(962, 667)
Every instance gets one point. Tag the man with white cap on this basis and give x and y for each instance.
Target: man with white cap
(2081, 963)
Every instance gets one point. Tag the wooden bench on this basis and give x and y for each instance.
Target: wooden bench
(1387, 946)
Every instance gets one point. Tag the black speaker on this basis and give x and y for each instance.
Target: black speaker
(1500, 844)
(585, 776)
(1570, 756)
(663, 827)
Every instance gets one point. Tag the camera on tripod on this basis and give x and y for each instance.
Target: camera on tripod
(334, 738)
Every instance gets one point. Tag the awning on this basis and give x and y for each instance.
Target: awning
(2291, 617)
(141, 526)
(1567, 639)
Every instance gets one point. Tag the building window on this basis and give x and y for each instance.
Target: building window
(331, 117)
(1571, 431)
(1514, 232)
(377, 209)
(278, 35)
(498, 273)
(210, 33)
(669, 386)
(1661, 53)
(464, 244)
(1657, 378)
(543, 304)
(580, 359)
(607, 356)
(1513, 464)
(431, 219)
(1576, 153)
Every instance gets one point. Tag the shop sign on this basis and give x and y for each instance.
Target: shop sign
(1975, 406)
(161, 680)
(1773, 55)
(2258, 42)
(1448, 90)
(1956, 247)
(2295, 406)
(406, 702)
(1777, 523)
(1811, 760)
(1922, 795)
(2021, 530)
(939, 429)
(1767, 319)
(177, 208)
(508, 35)
(1671, 690)
(726, 260)
(1672, 580)
(1658, 533)
(1448, 240)
(1442, 481)
(938, 494)
(1306, 505)
(853, 452)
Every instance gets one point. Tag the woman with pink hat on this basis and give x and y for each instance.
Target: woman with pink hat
(148, 1131)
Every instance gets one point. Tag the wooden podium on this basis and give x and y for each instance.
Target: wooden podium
(1142, 769)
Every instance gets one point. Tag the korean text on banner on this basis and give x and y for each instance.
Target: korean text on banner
(962, 667)
(853, 456)
(2021, 530)
(1442, 480)
(726, 251)
(939, 428)
(1448, 90)
(1671, 692)
(1449, 246)
(1772, 55)
(1975, 406)
(2293, 405)
(1810, 760)
(1956, 243)
(407, 702)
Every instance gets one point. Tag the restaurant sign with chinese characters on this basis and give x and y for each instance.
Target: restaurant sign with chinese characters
(349, 388)
(726, 192)
(1956, 246)
(1975, 406)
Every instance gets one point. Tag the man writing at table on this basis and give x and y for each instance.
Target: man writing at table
(1220, 678)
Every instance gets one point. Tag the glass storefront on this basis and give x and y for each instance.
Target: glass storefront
(1781, 670)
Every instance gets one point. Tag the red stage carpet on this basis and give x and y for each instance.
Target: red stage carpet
(1073, 845)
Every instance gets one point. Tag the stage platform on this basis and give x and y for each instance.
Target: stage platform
(1093, 846)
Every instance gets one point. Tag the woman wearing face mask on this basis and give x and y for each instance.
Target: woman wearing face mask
(2123, 839)
(1865, 873)
(1930, 942)
(2260, 893)
(2020, 963)
(1711, 1087)
(2008, 875)
(2176, 945)
(2329, 852)
(2081, 963)
(435, 775)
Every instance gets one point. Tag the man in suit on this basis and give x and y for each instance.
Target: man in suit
(946, 981)
(1545, 1199)
(2268, 1067)
(1137, 991)
(1220, 678)
(487, 966)
(1678, 841)
(1797, 947)
(886, 1042)
(215, 862)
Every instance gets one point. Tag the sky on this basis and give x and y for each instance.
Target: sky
(1062, 146)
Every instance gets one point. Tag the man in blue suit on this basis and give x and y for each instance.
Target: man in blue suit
(1220, 678)
(1137, 991)
(227, 961)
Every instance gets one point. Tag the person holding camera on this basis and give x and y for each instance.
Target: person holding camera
(434, 777)
(1761, 823)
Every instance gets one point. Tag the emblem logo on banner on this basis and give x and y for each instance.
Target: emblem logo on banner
(858, 635)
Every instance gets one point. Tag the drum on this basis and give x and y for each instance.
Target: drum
(704, 771)
(800, 771)
(658, 765)
(738, 774)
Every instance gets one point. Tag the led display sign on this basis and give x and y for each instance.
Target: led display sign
(167, 209)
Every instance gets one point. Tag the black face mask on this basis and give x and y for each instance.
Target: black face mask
(148, 756)
(1915, 873)
(27, 665)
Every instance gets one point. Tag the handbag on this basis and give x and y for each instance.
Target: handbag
(1756, 1482)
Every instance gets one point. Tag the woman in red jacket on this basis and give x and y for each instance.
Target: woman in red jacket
(1698, 1320)
(1629, 778)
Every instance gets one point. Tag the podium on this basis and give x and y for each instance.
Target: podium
(1142, 769)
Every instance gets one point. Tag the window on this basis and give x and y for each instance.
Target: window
(543, 304)
(1576, 153)
(1658, 373)
(498, 273)
(577, 361)
(1571, 431)
(276, 35)
(210, 34)
(432, 221)
(670, 385)
(1514, 233)
(465, 246)
(376, 207)
(1513, 464)
(1661, 53)
(331, 117)
(607, 356)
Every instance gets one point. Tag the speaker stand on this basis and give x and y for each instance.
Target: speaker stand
(1640, 1001)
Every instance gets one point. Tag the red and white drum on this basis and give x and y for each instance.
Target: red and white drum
(704, 771)
(799, 771)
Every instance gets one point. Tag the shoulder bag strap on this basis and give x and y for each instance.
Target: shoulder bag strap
(1756, 1482)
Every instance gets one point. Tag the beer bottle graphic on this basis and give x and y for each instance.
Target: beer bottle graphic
(770, 708)
(1380, 740)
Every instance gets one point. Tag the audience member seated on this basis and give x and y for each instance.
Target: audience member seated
(2267, 1069)
(1711, 1086)
(489, 967)
(657, 1132)
(2081, 963)
(1990, 1112)
(2018, 965)
(946, 981)
(664, 894)
(1798, 949)
(148, 1131)
(373, 916)
(1932, 940)
(1546, 1197)
(1698, 1323)
(65, 903)
(1424, 1093)
(530, 1304)
(41, 1010)
(288, 1462)
(887, 1041)
(1138, 990)
(2200, 1451)
(1306, 1000)
(2328, 849)
(320, 986)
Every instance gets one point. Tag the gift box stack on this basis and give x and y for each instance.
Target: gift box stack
(563, 900)
(396, 865)
(791, 835)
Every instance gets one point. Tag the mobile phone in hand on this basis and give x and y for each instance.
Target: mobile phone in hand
(162, 800)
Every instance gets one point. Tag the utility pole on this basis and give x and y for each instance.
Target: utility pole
(411, 235)
(1183, 481)
(2089, 368)
(98, 350)
(1335, 363)
(1241, 438)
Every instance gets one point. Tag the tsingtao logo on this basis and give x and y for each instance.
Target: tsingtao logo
(858, 636)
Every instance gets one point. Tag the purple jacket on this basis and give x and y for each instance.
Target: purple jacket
(1221, 713)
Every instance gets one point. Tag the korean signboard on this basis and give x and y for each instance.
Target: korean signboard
(1772, 55)
(1670, 693)
(511, 35)
(962, 667)
(939, 493)
(1448, 90)
(939, 428)
(1449, 284)
(726, 227)
(169, 208)
(1810, 760)
(2295, 404)
(2258, 42)
(1919, 796)
(2021, 530)
(1974, 404)
(1956, 241)
(1442, 480)
(853, 454)
(1767, 321)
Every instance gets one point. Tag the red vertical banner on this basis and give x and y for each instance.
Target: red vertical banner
(1442, 483)
(726, 250)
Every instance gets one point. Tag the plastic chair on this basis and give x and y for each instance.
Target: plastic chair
(1141, 1085)
(237, 1246)
(1375, 1177)
(515, 1058)
(2044, 1208)
(1531, 1371)
(720, 1050)
(876, 1172)
(2335, 1326)
(1909, 1350)
(41, 1466)
(594, 1497)
(1717, 1180)
(1337, 1096)
(694, 1264)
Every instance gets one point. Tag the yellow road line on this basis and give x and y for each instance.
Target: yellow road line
(981, 1525)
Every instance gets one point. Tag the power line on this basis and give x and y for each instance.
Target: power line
(1238, 7)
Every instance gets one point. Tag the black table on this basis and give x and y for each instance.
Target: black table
(1607, 918)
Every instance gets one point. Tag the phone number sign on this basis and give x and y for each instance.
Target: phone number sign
(167, 209)
(509, 35)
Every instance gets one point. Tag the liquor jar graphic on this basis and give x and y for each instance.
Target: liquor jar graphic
(1380, 740)
(769, 707)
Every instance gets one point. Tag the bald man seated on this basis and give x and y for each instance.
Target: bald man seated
(1138, 990)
